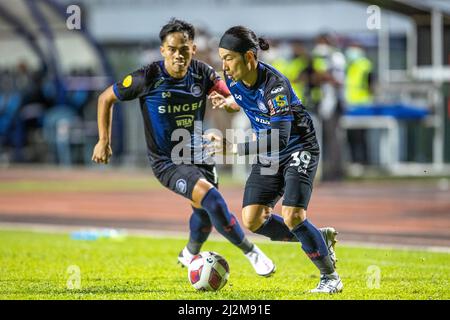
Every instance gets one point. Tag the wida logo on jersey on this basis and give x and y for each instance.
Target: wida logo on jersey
(184, 121)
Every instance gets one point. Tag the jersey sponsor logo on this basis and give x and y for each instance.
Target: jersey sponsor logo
(176, 108)
(158, 83)
(184, 121)
(196, 90)
(280, 101)
(261, 120)
(166, 94)
(276, 90)
(181, 185)
(232, 83)
(262, 106)
(238, 96)
(127, 81)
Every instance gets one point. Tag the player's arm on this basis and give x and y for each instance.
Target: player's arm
(102, 150)
(128, 89)
(274, 140)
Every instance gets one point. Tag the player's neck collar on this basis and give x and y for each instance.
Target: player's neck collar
(166, 73)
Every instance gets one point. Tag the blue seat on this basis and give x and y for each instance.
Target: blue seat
(398, 111)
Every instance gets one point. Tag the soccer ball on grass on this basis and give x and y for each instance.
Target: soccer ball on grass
(208, 271)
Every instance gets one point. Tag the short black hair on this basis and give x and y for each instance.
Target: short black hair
(176, 25)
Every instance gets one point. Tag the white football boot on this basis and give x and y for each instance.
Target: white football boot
(185, 257)
(329, 284)
(260, 262)
(329, 235)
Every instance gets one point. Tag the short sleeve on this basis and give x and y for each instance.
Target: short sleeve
(277, 97)
(131, 86)
(211, 76)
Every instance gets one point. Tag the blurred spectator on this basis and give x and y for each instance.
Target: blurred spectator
(327, 96)
(358, 92)
(38, 115)
(294, 68)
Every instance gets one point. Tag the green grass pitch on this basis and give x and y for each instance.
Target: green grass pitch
(37, 266)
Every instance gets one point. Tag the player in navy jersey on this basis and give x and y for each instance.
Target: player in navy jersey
(285, 136)
(172, 95)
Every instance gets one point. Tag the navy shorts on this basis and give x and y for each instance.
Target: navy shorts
(293, 181)
(182, 178)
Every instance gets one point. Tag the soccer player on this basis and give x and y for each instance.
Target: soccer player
(172, 95)
(270, 103)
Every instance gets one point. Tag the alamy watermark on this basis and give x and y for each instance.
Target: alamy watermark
(374, 19)
(373, 277)
(212, 147)
(74, 280)
(73, 21)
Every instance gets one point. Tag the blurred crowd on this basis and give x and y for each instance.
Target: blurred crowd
(39, 122)
(39, 118)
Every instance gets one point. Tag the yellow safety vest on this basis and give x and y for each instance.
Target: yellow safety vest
(319, 64)
(357, 82)
(292, 69)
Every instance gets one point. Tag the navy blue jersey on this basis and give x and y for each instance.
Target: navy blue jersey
(272, 99)
(168, 104)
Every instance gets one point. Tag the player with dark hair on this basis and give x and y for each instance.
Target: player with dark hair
(276, 114)
(172, 95)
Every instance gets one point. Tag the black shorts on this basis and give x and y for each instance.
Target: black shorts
(182, 178)
(294, 180)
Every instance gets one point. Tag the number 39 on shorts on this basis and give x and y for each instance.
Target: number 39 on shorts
(303, 160)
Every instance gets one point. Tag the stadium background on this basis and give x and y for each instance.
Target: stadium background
(394, 192)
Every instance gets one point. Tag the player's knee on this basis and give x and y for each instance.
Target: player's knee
(293, 216)
(254, 216)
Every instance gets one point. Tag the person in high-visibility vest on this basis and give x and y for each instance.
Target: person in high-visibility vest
(358, 80)
(358, 92)
(293, 68)
(327, 79)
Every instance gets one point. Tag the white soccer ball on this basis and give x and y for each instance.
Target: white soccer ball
(208, 271)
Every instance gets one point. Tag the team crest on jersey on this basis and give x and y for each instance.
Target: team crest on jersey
(196, 90)
(280, 101)
(127, 81)
(262, 106)
(181, 185)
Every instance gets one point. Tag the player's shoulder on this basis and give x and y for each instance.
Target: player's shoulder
(203, 71)
(150, 71)
(199, 66)
(274, 81)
